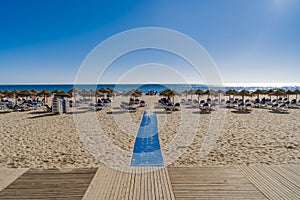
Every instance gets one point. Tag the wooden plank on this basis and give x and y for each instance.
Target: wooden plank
(152, 183)
(49, 184)
(110, 181)
(273, 183)
(116, 185)
(211, 183)
(95, 189)
(294, 168)
(158, 183)
(132, 183)
(168, 184)
(9, 175)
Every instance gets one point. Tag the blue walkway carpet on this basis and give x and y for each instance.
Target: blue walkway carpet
(147, 150)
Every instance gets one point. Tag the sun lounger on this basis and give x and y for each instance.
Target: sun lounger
(128, 108)
(177, 106)
(142, 103)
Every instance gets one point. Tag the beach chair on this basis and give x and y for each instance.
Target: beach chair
(213, 106)
(195, 102)
(99, 106)
(282, 108)
(4, 108)
(241, 107)
(142, 103)
(222, 102)
(293, 104)
(248, 107)
(136, 101)
(205, 108)
(47, 108)
(168, 107)
(177, 107)
(128, 108)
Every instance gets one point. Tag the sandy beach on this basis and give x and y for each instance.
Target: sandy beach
(36, 139)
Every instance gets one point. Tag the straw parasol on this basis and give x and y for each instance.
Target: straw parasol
(199, 92)
(278, 93)
(297, 92)
(134, 92)
(243, 93)
(6, 92)
(269, 92)
(25, 93)
(34, 92)
(61, 94)
(169, 93)
(105, 90)
(98, 94)
(209, 93)
(55, 91)
(258, 92)
(231, 92)
(219, 92)
(15, 93)
(45, 93)
(289, 92)
(73, 91)
(191, 92)
(186, 93)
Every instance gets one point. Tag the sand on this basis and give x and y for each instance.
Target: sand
(35, 139)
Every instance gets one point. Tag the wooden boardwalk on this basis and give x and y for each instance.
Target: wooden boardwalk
(212, 183)
(133, 183)
(50, 184)
(236, 182)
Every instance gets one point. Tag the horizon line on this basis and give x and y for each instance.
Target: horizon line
(259, 84)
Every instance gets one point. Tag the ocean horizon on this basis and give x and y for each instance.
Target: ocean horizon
(146, 87)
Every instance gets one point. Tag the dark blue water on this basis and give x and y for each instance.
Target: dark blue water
(126, 87)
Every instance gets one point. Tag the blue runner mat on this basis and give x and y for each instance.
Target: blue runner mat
(147, 150)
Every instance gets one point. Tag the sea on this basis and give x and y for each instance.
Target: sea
(144, 87)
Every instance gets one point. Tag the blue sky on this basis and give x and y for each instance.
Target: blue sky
(250, 41)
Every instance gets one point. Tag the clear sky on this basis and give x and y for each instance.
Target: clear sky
(249, 40)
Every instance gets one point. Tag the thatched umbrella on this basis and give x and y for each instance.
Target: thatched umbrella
(269, 92)
(62, 94)
(209, 93)
(278, 93)
(191, 92)
(73, 91)
(15, 93)
(243, 93)
(98, 94)
(169, 93)
(83, 92)
(289, 92)
(297, 92)
(56, 91)
(199, 92)
(258, 92)
(186, 93)
(25, 93)
(219, 92)
(134, 92)
(6, 93)
(231, 92)
(105, 90)
(34, 92)
(45, 93)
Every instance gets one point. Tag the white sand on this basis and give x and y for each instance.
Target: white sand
(35, 139)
